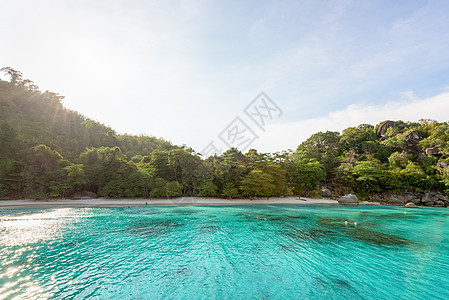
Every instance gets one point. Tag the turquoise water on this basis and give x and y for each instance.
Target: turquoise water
(258, 252)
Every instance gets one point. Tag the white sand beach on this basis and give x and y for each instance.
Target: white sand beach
(180, 201)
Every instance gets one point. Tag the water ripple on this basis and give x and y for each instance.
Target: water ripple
(216, 252)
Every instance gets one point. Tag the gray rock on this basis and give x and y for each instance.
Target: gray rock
(84, 195)
(433, 151)
(326, 193)
(443, 164)
(439, 204)
(383, 127)
(442, 197)
(412, 142)
(414, 135)
(415, 200)
(394, 199)
(395, 202)
(349, 199)
(411, 205)
(408, 197)
(428, 199)
(375, 198)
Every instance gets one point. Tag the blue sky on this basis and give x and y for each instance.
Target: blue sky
(183, 70)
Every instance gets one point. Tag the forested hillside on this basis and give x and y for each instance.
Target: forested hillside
(47, 150)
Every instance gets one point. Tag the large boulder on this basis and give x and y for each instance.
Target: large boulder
(375, 198)
(84, 195)
(416, 200)
(443, 198)
(395, 201)
(443, 164)
(409, 197)
(412, 142)
(411, 205)
(439, 204)
(326, 193)
(414, 135)
(383, 127)
(428, 199)
(433, 151)
(349, 199)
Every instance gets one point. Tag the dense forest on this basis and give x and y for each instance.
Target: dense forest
(48, 151)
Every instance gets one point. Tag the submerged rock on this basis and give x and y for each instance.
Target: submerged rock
(349, 199)
(209, 228)
(377, 238)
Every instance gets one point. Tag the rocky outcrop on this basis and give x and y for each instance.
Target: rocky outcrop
(349, 199)
(443, 164)
(412, 142)
(326, 193)
(428, 199)
(383, 127)
(404, 198)
(84, 195)
(395, 201)
(433, 151)
(411, 205)
(415, 135)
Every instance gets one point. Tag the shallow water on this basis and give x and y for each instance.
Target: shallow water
(257, 252)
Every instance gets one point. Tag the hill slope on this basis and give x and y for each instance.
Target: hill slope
(50, 151)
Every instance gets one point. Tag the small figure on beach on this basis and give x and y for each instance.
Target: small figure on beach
(146, 203)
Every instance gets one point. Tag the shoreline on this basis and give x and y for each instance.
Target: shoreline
(180, 201)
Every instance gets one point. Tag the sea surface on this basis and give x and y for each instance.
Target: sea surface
(245, 252)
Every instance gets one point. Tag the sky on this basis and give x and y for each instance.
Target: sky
(185, 70)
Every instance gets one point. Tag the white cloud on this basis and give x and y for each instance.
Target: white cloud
(289, 135)
(183, 70)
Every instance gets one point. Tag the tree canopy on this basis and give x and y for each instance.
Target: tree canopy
(50, 151)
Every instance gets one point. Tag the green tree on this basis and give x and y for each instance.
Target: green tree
(11, 159)
(369, 174)
(15, 76)
(44, 173)
(173, 189)
(399, 159)
(257, 183)
(230, 167)
(310, 173)
(208, 189)
(229, 190)
(76, 177)
(439, 137)
(356, 137)
(109, 173)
